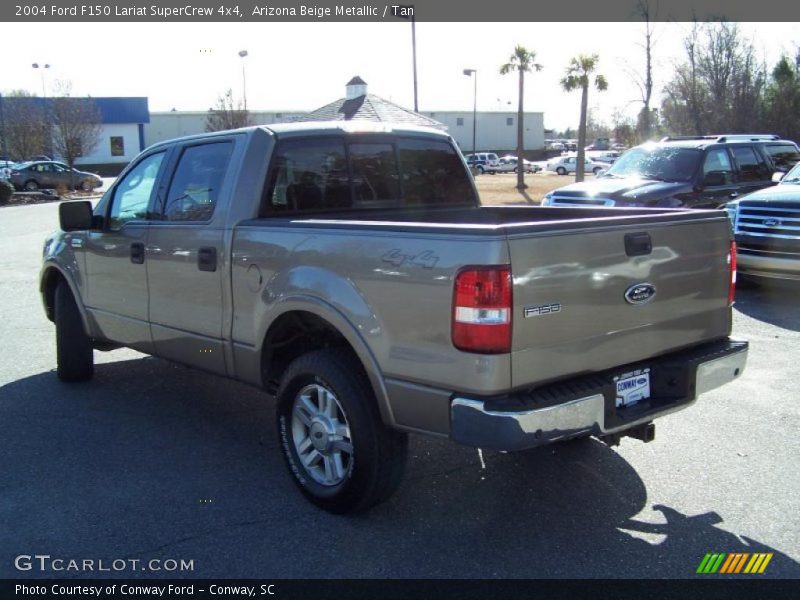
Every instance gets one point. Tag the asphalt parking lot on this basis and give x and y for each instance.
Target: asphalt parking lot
(155, 461)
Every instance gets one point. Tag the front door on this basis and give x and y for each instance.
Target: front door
(186, 259)
(117, 298)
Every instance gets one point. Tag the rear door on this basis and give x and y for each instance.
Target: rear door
(571, 314)
(753, 171)
(186, 257)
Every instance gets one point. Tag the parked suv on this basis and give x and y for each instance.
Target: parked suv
(767, 228)
(696, 172)
(484, 162)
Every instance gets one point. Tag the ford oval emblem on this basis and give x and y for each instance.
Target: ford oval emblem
(772, 222)
(640, 293)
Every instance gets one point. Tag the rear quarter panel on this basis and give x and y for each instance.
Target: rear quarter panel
(395, 288)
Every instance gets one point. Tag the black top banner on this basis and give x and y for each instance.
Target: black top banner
(420, 10)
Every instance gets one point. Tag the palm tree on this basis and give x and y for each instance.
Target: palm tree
(521, 61)
(578, 76)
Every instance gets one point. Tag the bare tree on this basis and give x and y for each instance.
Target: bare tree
(645, 82)
(522, 61)
(227, 114)
(579, 76)
(77, 124)
(719, 86)
(25, 125)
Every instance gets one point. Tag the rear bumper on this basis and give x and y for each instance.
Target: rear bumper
(588, 405)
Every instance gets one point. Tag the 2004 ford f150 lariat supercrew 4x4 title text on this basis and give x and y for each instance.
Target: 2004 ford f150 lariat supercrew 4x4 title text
(351, 271)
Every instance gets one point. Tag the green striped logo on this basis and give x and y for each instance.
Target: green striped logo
(729, 563)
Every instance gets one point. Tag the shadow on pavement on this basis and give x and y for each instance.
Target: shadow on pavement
(773, 302)
(155, 461)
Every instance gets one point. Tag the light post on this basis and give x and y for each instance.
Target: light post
(243, 54)
(470, 73)
(43, 67)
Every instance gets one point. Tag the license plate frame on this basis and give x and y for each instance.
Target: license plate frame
(632, 387)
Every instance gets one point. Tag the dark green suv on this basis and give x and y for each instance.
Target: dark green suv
(696, 172)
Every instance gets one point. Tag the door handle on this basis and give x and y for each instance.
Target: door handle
(207, 259)
(733, 195)
(137, 253)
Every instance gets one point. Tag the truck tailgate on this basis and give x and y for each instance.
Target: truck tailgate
(569, 294)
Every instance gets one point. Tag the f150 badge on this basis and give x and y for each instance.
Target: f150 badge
(640, 293)
(538, 310)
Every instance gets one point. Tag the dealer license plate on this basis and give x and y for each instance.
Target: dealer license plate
(633, 387)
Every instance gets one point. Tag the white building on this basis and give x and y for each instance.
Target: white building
(173, 124)
(495, 130)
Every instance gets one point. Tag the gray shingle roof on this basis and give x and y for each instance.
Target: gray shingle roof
(370, 107)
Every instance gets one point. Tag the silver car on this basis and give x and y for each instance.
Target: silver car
(32, 176)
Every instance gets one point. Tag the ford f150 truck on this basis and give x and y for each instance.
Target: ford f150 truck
(350, 271)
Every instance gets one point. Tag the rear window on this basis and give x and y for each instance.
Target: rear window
(784, 156)
(327, 174)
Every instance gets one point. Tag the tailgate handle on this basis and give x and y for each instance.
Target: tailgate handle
(638, 244)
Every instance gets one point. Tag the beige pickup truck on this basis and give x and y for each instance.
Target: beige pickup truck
(351, 272)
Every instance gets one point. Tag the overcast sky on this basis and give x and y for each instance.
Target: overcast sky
(302, 66)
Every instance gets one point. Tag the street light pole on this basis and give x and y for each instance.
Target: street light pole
(470, 73)
(42, 67)
(243, 54)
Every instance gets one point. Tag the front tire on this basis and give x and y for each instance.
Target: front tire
(31, 186)
(561, 171)
(74, 355)
(340, 454)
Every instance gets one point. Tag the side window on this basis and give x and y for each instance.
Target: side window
(376, 180)
(751, 166)
(308, 175)
(195, 186)
(784, 156)
(132, 194)
(718, 160)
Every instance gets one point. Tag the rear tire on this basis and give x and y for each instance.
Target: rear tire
(74, 355)
(31, 186)
(340, 454)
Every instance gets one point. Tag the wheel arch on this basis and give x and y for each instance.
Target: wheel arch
(307, 324)
(51, 276)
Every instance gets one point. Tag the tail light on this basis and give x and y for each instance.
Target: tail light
(482, 310)
(732, 269)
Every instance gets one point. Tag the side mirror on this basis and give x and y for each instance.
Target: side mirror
(715, 178)
(75, 215)
(777, 177)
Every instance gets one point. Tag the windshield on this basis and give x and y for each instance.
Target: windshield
(657, 162)
(792, 176)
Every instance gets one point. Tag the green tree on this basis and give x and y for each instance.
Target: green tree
(782, 101)
(579, 76)
(522, 61)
